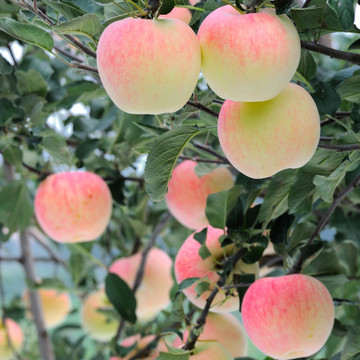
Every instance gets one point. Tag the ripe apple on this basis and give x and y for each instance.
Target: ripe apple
(99, 326)
(149, 66)
(188, 264)
(262, 138)
(56, 306)
(226, 329)
(11, 331)
(73, 206)
(187, 193)
(211, 350)
(180, 13)
(153, 293)
(288, 317)
(248, 57)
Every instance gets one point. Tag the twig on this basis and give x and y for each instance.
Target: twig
(210, 161)
(12, 54)
(77, 65)
(203, 108)
(35, 171)
(306, 4)
(67, 54)
(326, 138)
(145, 350)
(337, 54)
(350, 147)
(297, 267)
(140, 273)
(212, 152)
(194, 333)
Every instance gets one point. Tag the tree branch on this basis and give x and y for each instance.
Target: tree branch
(297, 267)
(194, 333)
(306, 4)
(348, 147)
(337, 54)
(210, 161)
(212, 152)
(203, 108)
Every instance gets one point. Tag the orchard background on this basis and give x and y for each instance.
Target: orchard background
(55, 116)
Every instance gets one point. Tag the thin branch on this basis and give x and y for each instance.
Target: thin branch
(337, 54)
(11, 54)
(212, 152)
(145, 350)
(67, 54)
(210, 161)
(45, 345)
(203, 108)
(349, 147)
(306, 4)
(297, 267)
(326, 138)
(194, 333)
(34, 170)
(77, 65)
(140, 273)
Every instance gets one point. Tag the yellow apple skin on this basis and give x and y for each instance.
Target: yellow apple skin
(224, 328)
(187, 193)
(56, 306)
(288, 317)
(248, 57)
(73, 206)
(210, 351)
(149, 66)
(16, 337)
(180, 13)
(99, 326)
(188, 264)
(262, 138)
(153, 295)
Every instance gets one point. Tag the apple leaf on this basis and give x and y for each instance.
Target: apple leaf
(350, 89)
(27, 32)
(307, 65)
(219, 205)
(67, 9)
(121, 296)
(162, 158)
(280, 230)
(31, 82)
(352, 344)
(187, 283)
(177, 310)
(13, 155)
(165, 7)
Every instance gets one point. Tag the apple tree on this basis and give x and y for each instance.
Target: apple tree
(56, 116)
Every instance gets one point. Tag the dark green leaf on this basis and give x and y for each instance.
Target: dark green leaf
(165, 7)
(187, 283)
(67, 9)
(280, 230)
(307, 65)
(55, 145)
(246, 279)
(350, 89)
(31, 82)
(162, 158)
(177, 310)
(8, 111)
(200, 236)
(86, 148)
(5, 67)
(204, 252)
(308, 18)
(352, 344)
(201, 288)
(121, 296)
(13, 155)
(28, 33)
(327, 99)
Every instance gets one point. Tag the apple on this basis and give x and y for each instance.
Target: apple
(188, 264)
(99, 326)
(288, 317)
(149, 66)
(180, 13)
(56, 306)
(153, 295)
(187, 193)
(248, 57)
(11, 331)
(141, 342)
(73, 206)
(210, 351)
(262, 138)
(226, 329)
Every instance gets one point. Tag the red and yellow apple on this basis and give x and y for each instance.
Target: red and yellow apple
(224, 328)
(99, 326)
(56, 306)
(180, 13)
(262, 138)
(248, 57)
(149, 66)
(153, 295)
(189, 264)
(211, 350)
(187, 192)
(11, 338)
(288, 317)
(73, 206)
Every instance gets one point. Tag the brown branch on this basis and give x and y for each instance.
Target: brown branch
(297, 267)
(140, 273)
(349, 147)
(203, 108)
(67, 54)
(77, 65)
(337, 54)
(306, 4)
(34, 170)
(210, 161)
(326, 138)
(145, 350)
(194, 333)
(212, 152)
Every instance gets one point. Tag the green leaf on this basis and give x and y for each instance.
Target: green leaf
(200, 236)
(86, 148)
(350, 89)
(162, 158)
(275, 201)
(87, 25)
(31, 82)
(28, 33)
(121, 296)
(55, 145)
(219, 205)
(8, 111)
(166, 6)
(5, 67)
(355, 45)
(16, 208)
(204, 252)
(187, 283)
(172, 356)
(307, 65)
(308, 18)
(177, 310)
(352, 344)
(345, 10)
(67, 9)
(280, 230)
(13, 154)
(327, 99)
(202, 287)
